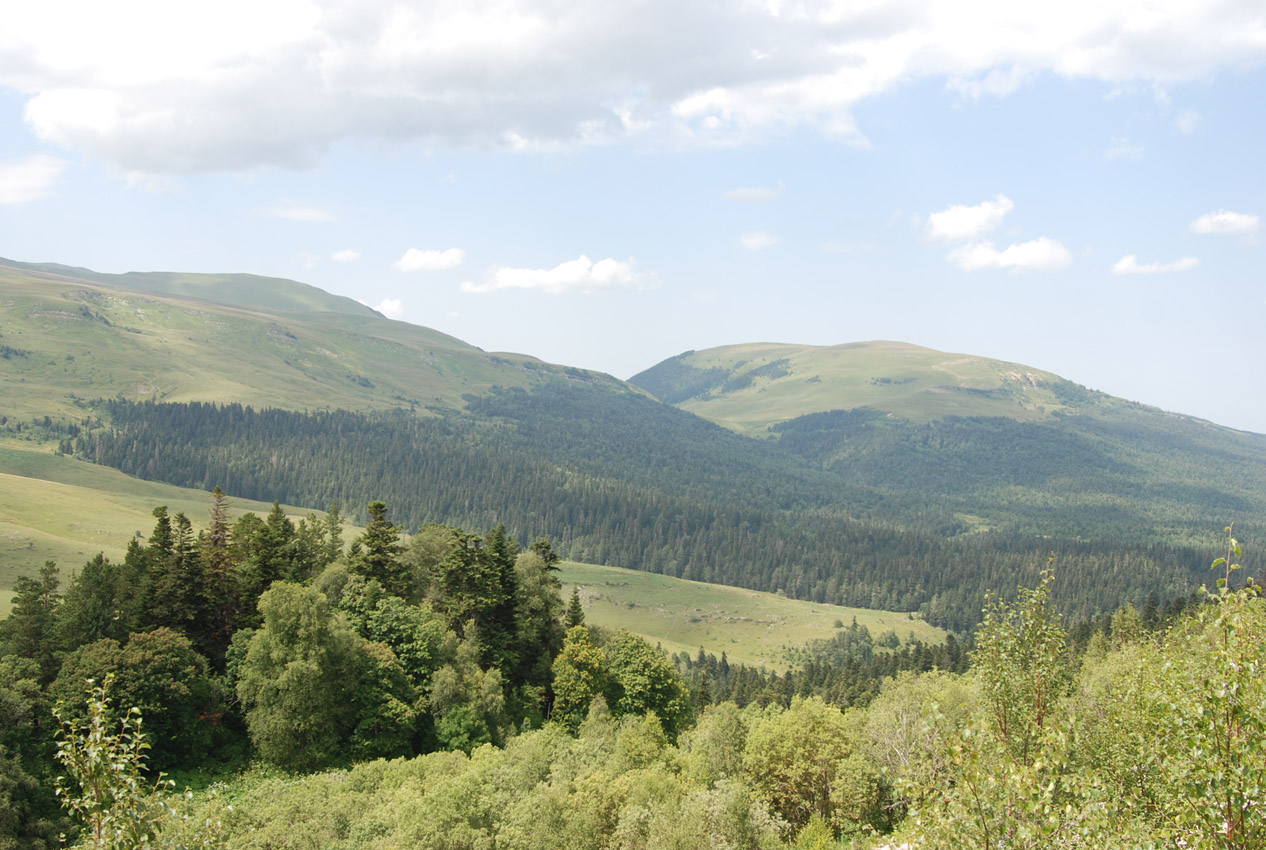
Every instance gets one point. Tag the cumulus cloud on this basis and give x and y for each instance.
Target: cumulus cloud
(963, 222)
(1122, 148)
(392, 308)
(758, 241)
(1041, 254)
(415, 260)
(29, 178)
(1129, 264)
(295, 211)
(578, 275)
(754, 194)
(1225, 221)
(347, 255)
(193, 87)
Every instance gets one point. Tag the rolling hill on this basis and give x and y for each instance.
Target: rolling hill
(913, 431)
(873, 472)
(69, 334)
(749, 388)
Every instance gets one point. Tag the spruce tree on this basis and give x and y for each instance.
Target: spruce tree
(378, 555)
(575, 614)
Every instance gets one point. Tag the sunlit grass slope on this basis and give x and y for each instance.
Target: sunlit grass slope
(749, 626)
(65, 510)
(749, 387)
(68, 334)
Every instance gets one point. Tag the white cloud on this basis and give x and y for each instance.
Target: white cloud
(758, 241)
(295, 211)
(1225, 221)
(754, 194)
(1188, 121)
(347, 255)
(29, 178)
(392, 308)
(1129, 264)
(963, 222)
(1123, 148)
(578, 275)
(186, 87)
(1041, 254)
(415, 260)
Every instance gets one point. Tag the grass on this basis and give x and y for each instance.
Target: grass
(915, 383)
(69, 339)
(65, 510)
(749, 626)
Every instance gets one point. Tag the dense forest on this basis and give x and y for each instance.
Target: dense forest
(645, 486)
(436, 690)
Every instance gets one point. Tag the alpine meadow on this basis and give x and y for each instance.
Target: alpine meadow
(823, 425)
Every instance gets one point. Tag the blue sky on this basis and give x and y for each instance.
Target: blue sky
(1079, 188)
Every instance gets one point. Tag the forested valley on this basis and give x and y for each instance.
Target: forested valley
(627, 481)
(435, 689)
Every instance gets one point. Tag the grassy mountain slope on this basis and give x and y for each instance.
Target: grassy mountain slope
(916, 432)
(67, 334)
(750, 387)
(65, 510)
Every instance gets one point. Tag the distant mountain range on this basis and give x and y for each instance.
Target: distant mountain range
(875, 473)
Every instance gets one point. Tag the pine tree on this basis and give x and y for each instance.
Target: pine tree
(221, 577)
(575, 614)
(378, 555)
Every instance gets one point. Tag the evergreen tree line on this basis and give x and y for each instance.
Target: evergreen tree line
(697, 507)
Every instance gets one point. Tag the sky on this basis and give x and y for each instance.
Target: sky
(1078, 187)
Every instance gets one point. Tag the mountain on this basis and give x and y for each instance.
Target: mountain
(275, 390)
(749, 388)
(68, 333)
(914, 432)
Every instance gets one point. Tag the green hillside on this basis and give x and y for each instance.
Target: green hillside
(55, 508)
(749, 388)
(68, 335)
(920, 433)
(751, 627)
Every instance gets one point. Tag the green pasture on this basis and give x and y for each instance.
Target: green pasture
(749, 626)
(65, 510)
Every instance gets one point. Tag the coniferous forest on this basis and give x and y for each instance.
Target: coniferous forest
(643, 486)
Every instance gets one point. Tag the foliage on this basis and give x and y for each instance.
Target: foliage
(640, 679)
(376, 553)
(1021, 659)
(309, 684)
(801, 761)
(159, 674)
(105, 786)
(580, 674)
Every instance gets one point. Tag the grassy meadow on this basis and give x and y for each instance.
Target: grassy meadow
(749, 626)
(65, 510)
